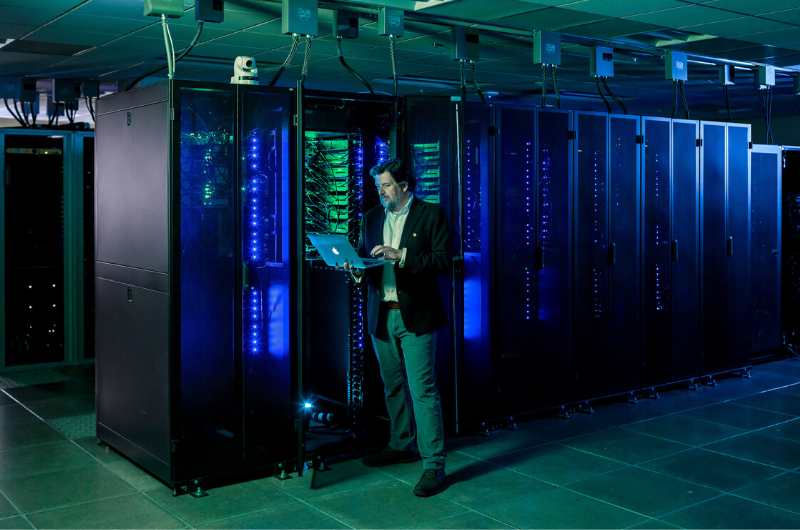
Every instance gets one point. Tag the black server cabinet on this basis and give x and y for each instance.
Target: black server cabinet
(737, 271)
(516, 244)
(591, 256)
(657, 251)
(437, 131)
(685, 245)
(765, 248)
(195, 350)
(790, 246)
(624, 241)
(725, 244)
(554, 379)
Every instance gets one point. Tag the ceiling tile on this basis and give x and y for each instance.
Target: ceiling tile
(83, 38)
(789, 16)
(115, 8)
(623, 8)
(113, 25)
(737, 26)
(481, 9)
(611, 28)
(751, 7)
(774, 38)
(680, 16)
(55, 5)
(27, 16)
(551, 19)
(14, 31)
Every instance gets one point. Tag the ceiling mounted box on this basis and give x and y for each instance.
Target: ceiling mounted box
(170, 8)
(547, 48)
(464, 44)
(90, 89)
(66, 91)
(209, 10)
(766, 76)
(601, 62)
(727, 75)
(345, 24)
(675, 66)
(300, 17)
(391, 22)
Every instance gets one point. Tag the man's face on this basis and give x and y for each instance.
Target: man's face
(390, 192)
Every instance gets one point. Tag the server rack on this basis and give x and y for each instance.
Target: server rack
(790, 246)
(196, 339)
(766, 163)
(592, 256)
(624, 238)
(554, 378)
(685, 244)
(46, 280)
(725, 244)
(657, 254)
(452, 156)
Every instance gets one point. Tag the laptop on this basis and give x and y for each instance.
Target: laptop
(335, 249)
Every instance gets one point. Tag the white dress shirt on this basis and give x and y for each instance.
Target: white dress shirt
(393, 225)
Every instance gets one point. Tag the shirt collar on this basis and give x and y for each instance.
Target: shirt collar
(403, 210)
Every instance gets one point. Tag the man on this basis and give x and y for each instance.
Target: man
(404, 310)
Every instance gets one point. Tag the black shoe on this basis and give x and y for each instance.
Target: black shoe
(387, 457)
(430, 483)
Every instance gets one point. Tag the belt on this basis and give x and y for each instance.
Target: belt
(391, 305)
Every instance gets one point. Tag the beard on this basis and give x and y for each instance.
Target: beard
(392, 205)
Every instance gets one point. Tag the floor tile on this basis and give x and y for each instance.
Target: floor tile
(63, 488)
(290, 516)
(340, 477)
(789, 430)
(733, 512)
(773, 400)
(557, 464)
(454, 459)
(130, 511)
(721, 472)
(738, 416)
(558, 429)
(780, 491)
(102, 452)
(559, 508)
(499, 443)
(27, 394)
(388, 505)
(679, 400)
(10, 414)
(737, 387)
(14, 523)
(60, 407)
(471, 520)
(38, 459)
(16, 435)
(136, 476)
(624, 413)
(625, 446)
(685, 429)
(758, 447)
(482, 484)
(654, 524)
(643, 491)
(6, 508)
(221, 503)
(85, 371)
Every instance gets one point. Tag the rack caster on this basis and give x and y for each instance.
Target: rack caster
(632, 399)
(280, 472)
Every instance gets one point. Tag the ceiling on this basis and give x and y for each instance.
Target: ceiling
(113, 42)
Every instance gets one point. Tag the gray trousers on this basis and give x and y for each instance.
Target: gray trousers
(406, 362)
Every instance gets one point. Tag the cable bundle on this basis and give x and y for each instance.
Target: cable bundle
(168, 42)
(21, 116)
(678, 84)
(348, 68)
(287, 61)
(555, 85)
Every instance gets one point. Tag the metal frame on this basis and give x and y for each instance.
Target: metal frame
(73, 247)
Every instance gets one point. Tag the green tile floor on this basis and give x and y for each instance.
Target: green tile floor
(719, 457)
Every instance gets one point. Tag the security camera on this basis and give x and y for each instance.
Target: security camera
(245, 71)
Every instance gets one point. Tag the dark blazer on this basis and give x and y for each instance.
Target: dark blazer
(426, 236)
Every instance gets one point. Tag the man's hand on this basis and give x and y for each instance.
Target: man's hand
(350, 268)
(384, 252)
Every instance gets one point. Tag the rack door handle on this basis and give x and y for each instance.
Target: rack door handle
(730, 247)
(612, 254)
(674, 250)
